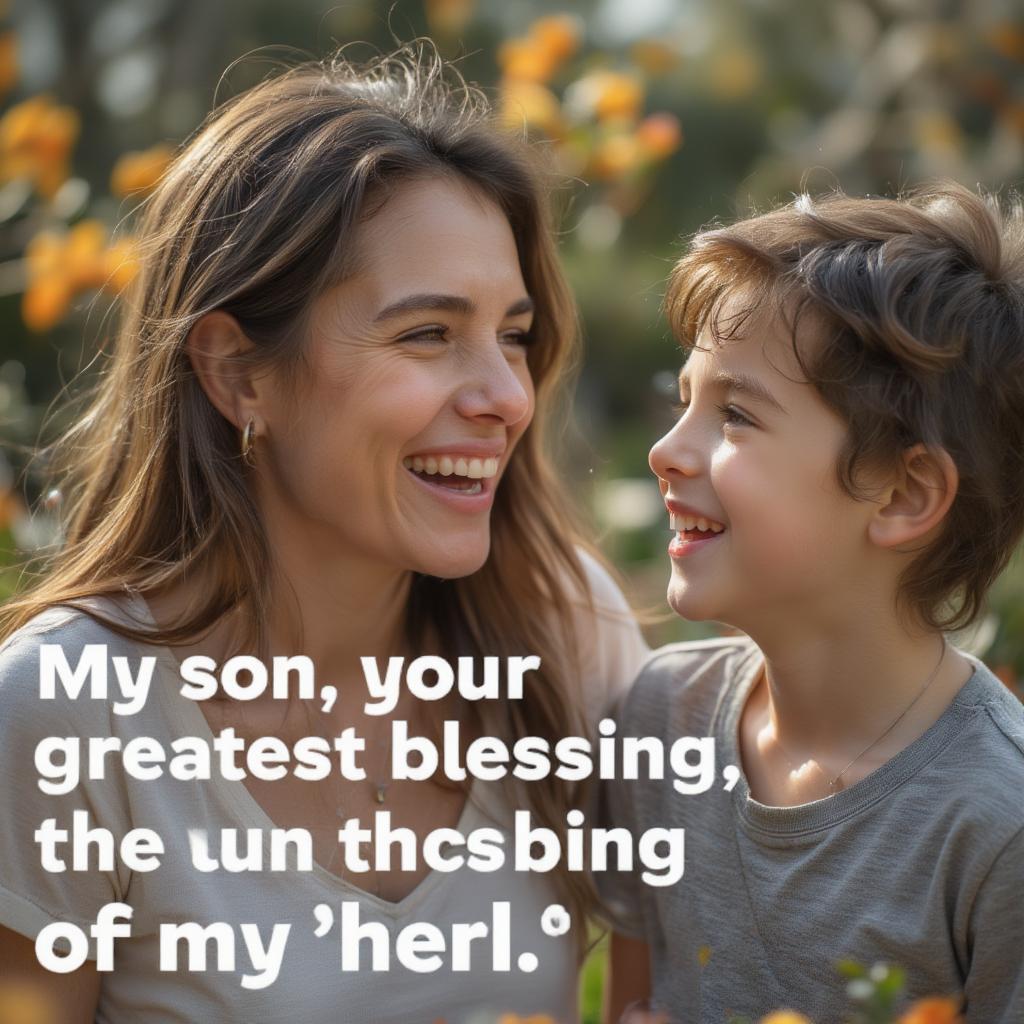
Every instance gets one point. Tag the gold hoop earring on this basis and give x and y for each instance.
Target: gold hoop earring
(248, 436)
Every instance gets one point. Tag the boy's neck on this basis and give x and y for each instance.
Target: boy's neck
(830, 698)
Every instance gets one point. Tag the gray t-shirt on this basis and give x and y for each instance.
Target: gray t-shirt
(919, 864)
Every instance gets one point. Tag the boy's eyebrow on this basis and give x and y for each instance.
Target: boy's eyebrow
(741, 383)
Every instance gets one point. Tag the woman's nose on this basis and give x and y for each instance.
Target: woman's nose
(675, 453)
(496, 388)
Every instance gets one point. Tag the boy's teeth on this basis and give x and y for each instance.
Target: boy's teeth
(681, 524)
(447, 465)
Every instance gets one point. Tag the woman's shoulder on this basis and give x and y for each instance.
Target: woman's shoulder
(68, 643)
(609, 640)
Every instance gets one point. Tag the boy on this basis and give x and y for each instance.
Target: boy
(844, 483)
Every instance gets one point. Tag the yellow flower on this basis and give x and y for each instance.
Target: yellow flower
(35, 143)
(935, 1010)
(785, 1017)
(139, 172)
(616, 156)
(734, 74)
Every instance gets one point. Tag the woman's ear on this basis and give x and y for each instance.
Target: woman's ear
(916, 499)
(217, 348)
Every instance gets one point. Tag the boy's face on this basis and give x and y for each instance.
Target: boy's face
(754, 453)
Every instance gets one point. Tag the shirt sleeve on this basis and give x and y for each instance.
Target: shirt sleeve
(994, 988)
(613, 647)
(30, 896)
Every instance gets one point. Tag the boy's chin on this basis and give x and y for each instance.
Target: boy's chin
(689, 605)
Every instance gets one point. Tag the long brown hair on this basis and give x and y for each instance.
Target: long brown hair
(255, 217)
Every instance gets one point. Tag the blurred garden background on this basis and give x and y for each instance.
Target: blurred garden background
(659, 115)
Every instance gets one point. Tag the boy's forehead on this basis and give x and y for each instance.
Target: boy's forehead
(764, 369)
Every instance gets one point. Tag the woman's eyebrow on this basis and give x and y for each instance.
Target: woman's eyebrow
(446, 303)
(740, 383)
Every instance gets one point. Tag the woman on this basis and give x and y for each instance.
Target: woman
(321, 433)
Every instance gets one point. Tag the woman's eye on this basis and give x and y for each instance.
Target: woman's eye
(523, 338)
(427, 334)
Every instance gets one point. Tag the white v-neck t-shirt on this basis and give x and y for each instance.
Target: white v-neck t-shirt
(311, 988)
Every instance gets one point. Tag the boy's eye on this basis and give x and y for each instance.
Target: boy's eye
(730, 413)
(734, 417)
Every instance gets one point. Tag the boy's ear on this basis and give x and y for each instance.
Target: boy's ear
(216, 347)
(917, 497)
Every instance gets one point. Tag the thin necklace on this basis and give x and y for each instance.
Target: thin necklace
(874, 743)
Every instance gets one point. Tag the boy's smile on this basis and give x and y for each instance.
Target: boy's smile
(762, 526)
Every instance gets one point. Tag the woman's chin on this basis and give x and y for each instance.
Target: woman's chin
(449, 564)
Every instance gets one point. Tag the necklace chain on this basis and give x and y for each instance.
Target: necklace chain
(892, 725)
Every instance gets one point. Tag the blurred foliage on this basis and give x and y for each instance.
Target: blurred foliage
(660, 115)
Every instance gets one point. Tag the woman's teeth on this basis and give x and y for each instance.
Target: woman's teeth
(683, 524)
(446, 465)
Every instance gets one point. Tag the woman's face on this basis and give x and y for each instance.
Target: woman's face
(392, 448)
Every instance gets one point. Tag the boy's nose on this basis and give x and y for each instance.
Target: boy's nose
(674, 455)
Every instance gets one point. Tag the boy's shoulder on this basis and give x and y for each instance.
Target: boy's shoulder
(983, 768)
(686, 681)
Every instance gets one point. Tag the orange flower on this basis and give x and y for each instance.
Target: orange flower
(654, 56)
(8, 62)
(557, 34)
(1007, 40)
(23, 1003)
(785, 1017)
(525, 61)
(59, 266)
(449, 17)
(35, 143)
(616, 157)
(537, 1018)
(139, 172)
(659, 135)
(531, 103)
(606, 95)
(11, 508)
(1007, 675)
(941, 1010)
